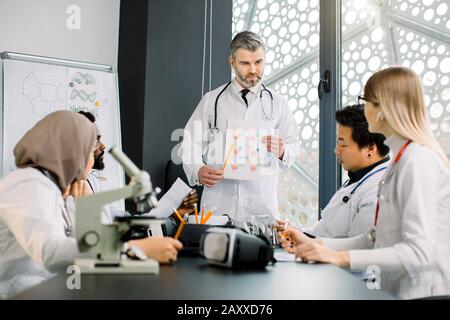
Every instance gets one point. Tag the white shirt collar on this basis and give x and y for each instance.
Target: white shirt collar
(238, 88)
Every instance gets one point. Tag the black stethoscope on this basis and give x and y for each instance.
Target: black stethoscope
(215, 130)
(346, 198)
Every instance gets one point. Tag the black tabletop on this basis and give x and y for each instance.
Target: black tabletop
(194, 279)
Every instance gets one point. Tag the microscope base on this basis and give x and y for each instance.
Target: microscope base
(94, 266)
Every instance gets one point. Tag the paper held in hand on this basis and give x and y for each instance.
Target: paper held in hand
(172, 199)
(246, 156)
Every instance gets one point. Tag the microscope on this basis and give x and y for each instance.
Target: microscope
(100, 245)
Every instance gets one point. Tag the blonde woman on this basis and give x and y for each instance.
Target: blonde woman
(35, 229)
(410, 241)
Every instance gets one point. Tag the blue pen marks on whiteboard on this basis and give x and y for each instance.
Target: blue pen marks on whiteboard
(42, 96)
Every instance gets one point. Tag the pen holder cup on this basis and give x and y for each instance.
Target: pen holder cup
(190, 238)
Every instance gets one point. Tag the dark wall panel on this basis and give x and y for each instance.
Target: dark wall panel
(160, 71)
(174, 70)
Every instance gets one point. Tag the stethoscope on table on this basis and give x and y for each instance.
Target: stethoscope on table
(215, 129)
(345, 199)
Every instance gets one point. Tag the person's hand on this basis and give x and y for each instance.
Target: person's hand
(187, 205)
(291, 237)
(274, 145)
(77, 189)
(313, 251)
(281, 225)
(209, 176)
(162, 249)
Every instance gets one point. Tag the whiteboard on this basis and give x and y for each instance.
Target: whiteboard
(31, 87)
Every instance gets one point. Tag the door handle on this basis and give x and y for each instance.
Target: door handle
(324, 84)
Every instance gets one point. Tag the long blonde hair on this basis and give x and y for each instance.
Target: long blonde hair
(398, 92)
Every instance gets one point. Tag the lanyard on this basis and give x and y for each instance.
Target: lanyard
(397, 159)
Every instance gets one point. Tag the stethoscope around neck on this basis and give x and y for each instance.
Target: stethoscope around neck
(346, 198)
(215, 129)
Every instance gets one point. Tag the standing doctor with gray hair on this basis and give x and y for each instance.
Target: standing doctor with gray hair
(243, 98)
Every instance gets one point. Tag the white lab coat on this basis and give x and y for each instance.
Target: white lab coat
(344, 220)
(233, 197)
(111, 210)
(33, 241)
(413, 231)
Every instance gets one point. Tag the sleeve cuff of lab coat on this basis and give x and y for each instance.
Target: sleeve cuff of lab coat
(194, 177)
(286, 161)
(386, 259)
(358, 242)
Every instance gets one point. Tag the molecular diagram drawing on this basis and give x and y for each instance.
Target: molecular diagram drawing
(42, 96)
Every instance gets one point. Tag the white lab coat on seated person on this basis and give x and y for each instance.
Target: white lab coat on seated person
(237, 198)
(412, 239)
(111, 210)
(347, 219)
(33, 229)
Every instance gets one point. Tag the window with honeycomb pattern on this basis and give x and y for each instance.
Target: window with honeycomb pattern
(375, 34)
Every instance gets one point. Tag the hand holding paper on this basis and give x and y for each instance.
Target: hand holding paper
(274, 145)
(209, 176)
(187, 205)
(172, 199)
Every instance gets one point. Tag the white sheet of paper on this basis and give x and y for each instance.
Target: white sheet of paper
(172, 199)
(213, 220)
(246, 156)
(284, 256)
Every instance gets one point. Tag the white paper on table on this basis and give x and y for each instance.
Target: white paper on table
(284, 256)
(246, 155)
(172, 199)
(213, 220)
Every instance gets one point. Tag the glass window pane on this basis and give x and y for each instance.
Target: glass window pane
(411, 33)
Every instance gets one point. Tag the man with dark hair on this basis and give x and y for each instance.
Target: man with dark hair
(364, 156)
(109, 212)
(100, 149)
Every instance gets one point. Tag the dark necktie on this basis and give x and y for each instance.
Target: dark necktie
(243, 95)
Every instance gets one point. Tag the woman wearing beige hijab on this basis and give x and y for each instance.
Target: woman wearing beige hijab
(35, 229)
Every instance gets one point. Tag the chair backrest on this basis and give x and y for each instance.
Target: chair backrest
(174, 171)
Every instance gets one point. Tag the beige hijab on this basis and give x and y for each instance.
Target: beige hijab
(60, 143)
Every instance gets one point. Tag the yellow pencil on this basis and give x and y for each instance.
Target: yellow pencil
(203, 213)
(179, 216)
(228, 157)
(208, 215)
(180, 228)
(196, 213)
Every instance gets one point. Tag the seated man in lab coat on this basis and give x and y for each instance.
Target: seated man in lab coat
(94, 184)
(364, 155)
